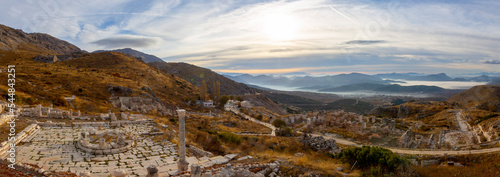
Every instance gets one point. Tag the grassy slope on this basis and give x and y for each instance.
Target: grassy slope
(196, 75)
(89, 77)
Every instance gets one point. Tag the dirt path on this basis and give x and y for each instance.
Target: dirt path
(273, 133)
(462, 124)
(413, 151)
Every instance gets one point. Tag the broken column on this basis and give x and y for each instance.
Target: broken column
(112, 117)
(152, 171)
(79, 113)
(182, 164)
(195, 170)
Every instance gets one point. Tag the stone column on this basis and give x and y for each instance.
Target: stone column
(182, 164)
(79, 113)
(39, 109)
(49, 110)
(70, 113)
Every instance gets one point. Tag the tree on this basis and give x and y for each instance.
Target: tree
(203, 90)
(217, 89)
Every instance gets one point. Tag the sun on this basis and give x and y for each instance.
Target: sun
(280, 27)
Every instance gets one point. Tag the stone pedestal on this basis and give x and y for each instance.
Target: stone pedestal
(182, 164)
(121, 141)
(102, 142)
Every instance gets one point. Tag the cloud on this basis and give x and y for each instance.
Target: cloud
(365, 42)
(230, 34)
(495, 62)
(127, 41)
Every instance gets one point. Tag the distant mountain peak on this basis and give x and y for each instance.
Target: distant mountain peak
(147, 58)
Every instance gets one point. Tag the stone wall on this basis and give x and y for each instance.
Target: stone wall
(30, 130)
(140, 104)
(199, 152)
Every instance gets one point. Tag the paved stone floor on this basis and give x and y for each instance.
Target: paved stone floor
(54, 149)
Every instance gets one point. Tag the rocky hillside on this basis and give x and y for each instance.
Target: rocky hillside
(143, 56)
(484, 96)
(15, 39)
(196, 75)
(92, 77)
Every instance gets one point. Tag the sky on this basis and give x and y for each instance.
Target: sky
(456, 37)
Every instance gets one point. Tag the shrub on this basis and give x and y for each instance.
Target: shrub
(230, 137)
(279, 123)
(259, 117)
(284, 132)
(223, 100)
(369, 156)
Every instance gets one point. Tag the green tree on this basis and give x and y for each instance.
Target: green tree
(279, 123)
(223, 100)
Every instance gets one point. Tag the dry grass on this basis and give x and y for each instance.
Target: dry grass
(311, 161)
(89, 77)
(487, 165)
(21, 124)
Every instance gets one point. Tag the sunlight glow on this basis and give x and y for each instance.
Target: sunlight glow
(280, 27)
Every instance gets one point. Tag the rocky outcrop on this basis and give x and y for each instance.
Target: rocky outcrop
(406, 140)
(319, 143)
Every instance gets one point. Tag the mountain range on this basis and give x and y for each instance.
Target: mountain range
(387, 83)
